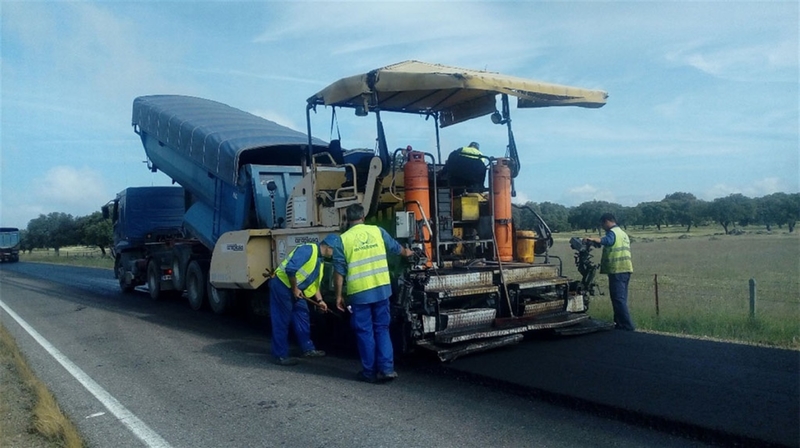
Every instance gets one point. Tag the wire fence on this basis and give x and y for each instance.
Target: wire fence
(676, 293)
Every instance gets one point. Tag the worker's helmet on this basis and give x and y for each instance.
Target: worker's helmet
(475, 145)
(330, 240)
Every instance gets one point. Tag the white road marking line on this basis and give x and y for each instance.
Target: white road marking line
(96, 414)
(137, 427)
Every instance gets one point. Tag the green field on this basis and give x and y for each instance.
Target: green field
(77, 256)
(703, 282)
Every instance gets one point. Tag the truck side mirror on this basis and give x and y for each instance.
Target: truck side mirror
(104, 209)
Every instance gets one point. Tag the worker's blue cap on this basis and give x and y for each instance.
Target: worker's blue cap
(330, 240)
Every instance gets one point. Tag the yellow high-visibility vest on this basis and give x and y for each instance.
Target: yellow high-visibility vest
(617, 257)
(365, 253)
(306, 270)
(470, 152)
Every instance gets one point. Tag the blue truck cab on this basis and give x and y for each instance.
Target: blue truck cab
(146, 221)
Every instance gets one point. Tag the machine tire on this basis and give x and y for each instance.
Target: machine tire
(196, 285)
(154, 281)
(220, 300)
(119, 272)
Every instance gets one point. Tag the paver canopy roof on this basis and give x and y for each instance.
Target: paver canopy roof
(457, 94)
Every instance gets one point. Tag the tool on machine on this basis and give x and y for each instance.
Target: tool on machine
(586, 267)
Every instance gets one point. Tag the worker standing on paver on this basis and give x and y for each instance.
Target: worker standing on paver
(361, 258)
(465, 167)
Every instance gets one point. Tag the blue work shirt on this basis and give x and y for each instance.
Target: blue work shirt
(609, 239)
(301, 255)
(371, 295)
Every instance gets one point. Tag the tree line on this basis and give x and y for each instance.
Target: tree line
(56, 230)
(676, 209)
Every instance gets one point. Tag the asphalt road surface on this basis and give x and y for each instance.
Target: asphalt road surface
(133, 372)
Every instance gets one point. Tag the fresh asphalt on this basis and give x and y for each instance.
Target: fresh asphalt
(146, 355)
(724, 393)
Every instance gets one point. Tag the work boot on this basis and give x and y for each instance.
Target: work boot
(361, 376)
(388, 376)
(313, 354)
(285, 361)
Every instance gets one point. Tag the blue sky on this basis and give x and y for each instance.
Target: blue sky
(703, 96)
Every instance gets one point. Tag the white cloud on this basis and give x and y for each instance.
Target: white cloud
(754, 62)
(586, 192)
(521, 198)
(76, 191)
(371, 32)
(281, 119)
(756, 189)
(767, 185)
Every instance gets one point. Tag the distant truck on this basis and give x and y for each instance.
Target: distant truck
(9, 244)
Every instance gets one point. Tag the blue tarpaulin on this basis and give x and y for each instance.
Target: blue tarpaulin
(216, 136)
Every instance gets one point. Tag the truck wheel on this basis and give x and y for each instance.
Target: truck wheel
(154, 281)
(220, 300)
(178, 276)
(195, 285)
(119, 271)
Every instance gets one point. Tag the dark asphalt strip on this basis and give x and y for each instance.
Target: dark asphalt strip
(719, 393)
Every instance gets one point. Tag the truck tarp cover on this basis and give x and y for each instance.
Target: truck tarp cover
(457, 93)
(217, 136)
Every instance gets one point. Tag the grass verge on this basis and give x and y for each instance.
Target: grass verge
(698, 284)
(31, 415)
(74, 256)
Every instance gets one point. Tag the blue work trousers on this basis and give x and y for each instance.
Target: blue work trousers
(618, 289)
(370, 322)
(285, 310)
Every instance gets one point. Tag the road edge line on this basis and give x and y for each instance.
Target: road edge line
(126, 417)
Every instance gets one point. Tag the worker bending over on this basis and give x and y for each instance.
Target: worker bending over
(296, 281)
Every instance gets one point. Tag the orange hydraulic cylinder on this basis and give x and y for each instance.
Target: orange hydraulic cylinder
(417, 196)
(501, 203)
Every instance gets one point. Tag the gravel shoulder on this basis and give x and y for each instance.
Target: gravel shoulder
(18, 400)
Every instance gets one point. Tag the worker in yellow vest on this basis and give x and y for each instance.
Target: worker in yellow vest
(616, 262)
(360, 257)
(296, 281)
(466, 168)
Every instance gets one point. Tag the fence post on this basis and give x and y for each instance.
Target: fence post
(655, 282)
(752, 298)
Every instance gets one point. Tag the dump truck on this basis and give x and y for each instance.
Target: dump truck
(220, 234)
(9, 244)
(254, 190)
